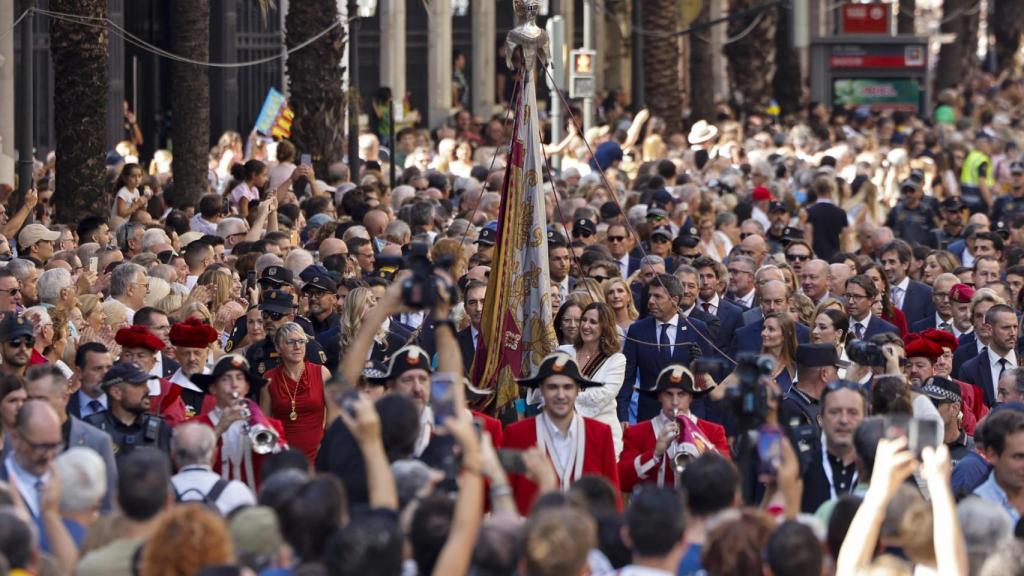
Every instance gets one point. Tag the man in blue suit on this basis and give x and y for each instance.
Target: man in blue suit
(912, 297)
(664, 337)
(860, 293)
(985, 369)
(730, 315)
(774, 298)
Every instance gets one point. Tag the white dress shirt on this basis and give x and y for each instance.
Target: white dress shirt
(563, 446)
(952, 327)
(996, 367)
(899, 292)
(747, 300)
(673, 326)
(624, 265)
(713, 309)
(26, 483)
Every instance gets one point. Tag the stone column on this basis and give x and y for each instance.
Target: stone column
(439, 62)
(484, 52)
(392, 49)
(7, 142)
(115, 76)
(718, 34)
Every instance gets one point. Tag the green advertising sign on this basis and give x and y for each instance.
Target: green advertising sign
(878, 93)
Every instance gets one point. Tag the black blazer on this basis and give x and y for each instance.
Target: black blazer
(170, 365)
(978, 371)
(917, 302)
(925, 324)
(730, 318)
(967, 349)
(876, 326)
(467, 347)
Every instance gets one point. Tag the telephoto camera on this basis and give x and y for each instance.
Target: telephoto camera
(420, 291)
(749, 399)
(866, 353)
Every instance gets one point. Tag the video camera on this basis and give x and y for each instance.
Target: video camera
(421, 290)
(749, 399)
(866, 353)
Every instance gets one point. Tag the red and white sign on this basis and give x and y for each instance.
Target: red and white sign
(874, 18)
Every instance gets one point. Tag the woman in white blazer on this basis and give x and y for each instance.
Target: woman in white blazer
(597, 352)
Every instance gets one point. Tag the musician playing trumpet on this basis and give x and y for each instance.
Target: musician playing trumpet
(651, 449)
(240, 451)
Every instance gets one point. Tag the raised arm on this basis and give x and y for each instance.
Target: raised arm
(365, 427)
(457, 552)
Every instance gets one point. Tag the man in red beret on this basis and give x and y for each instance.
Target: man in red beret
(960, 296)
(973, 399)
(139, 346)
(191, 340)
(922, 354)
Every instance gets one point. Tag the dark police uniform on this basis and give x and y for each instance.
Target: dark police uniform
(1006, 206)
(148, 430)
(913, 225)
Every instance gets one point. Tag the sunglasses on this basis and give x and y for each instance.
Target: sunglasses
(23, 342)
(275, 316)
(659, 240)
(11, 291)
(600, 278)
(616, 238)
(797, 257)
(582, 233)
(744, 235)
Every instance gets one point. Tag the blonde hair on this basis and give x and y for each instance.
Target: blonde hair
(352, 318)
(222, 282)
(610, 283)
(87, 303)
(587, 291)
(191, 308)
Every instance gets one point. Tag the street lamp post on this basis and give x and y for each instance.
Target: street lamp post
(353, 89)
(26, 114)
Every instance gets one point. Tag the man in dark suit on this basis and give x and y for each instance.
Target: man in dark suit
(665, 337)
(774, 298)
(912, 297)
(469, 338)
(763, 275)
(860, 293)
(729, 314)
(92, 360)
(688, 279)
(159, 324)
(832, 471)
(47, 382)
(620, 242)
(943, 317)
(985, 369)
(741, 281)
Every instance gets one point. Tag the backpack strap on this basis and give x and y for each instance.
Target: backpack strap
(216, 490)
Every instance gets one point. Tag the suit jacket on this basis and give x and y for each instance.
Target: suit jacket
(730, 318)
(714, 325)
(748, 338)
(978, 371)
(170, 365)
(87, 435)
(967, 349)
(924, 324)
(917, 302)
(598, 456)
(644, 363)
(752, 315)
(876, 326)
(957, 248)
(467, 347)
(638, 444)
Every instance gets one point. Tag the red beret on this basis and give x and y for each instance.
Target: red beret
(193, 333)
(761, 193)
(923, 347)
(138, 337)
(940, 337)
(961, 294)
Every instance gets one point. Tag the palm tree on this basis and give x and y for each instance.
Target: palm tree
(786, 83)
(702, 90)
(190, 100)
(751, 54)
(79, 55)
(315, 81)
(661, 62)
(1007, 24)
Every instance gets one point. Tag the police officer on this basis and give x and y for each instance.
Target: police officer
(128, 419)
(277, 308)
(1012, 203)
(951, 210)
(977, 177)
(817, 366)
(911, 219)
(778, 215)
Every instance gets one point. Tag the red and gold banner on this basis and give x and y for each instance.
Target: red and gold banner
(518, 331)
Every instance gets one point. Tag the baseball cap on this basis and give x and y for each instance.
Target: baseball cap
(13, 326)
(487, 237)
(818, 355)
(1016, 168)
(125, 373)
(776, 206)
(277, 275)
(952, 204)
(33, 233)
(277, 301)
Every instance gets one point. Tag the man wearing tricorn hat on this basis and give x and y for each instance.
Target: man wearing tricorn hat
(649, 448)
(575, 445)
(192, 340)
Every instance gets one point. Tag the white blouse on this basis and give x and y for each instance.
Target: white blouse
(599, 403)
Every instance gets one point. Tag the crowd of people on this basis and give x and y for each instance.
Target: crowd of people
(784, 346)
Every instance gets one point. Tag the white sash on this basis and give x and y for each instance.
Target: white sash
(575, 462)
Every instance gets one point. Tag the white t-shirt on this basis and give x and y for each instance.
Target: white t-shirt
(243, 190)
(129, 197)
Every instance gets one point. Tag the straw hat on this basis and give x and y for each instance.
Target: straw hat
(702, 132)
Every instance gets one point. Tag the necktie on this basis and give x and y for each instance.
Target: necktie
(946, 327)
(1002, 368)
(897, 297)
(707, 307)
(476, 346)
(664, 347)
(858, 331)
(95, 406)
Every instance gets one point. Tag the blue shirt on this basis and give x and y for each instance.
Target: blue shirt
(969, 473)
(992, 492)
(690, 562)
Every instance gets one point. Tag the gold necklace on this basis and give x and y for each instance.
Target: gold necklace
(293, 415)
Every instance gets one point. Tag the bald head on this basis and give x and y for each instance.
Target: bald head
(774, 297)
(375, 221)
(814, 279)
(880, 237)
(36, 426)
(839, 274)
(193, 445)
(754, 247)
(332, 246)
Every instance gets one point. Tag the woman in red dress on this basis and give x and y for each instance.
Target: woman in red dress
(294, 393)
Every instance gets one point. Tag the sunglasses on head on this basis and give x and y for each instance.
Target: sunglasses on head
(600, 278)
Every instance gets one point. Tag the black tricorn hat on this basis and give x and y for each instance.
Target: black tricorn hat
(557, 364)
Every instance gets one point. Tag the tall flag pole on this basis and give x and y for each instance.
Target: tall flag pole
(518, 331)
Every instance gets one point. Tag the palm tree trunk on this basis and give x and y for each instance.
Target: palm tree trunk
(1007, 24)
(786, 83)
(702, 90)
(80, 109)
(951, 56)
(315, 81)
(662, 83)
(752, 55)
(190, 101)
(905, 18)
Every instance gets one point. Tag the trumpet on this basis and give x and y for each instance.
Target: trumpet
(264, 439)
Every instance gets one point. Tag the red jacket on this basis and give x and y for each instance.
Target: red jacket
(972, 405)
(598, 456)
(492, 426)
(638, 444)
(169, 404)
(257, 459)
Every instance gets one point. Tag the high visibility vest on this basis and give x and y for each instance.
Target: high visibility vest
(969, 173)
